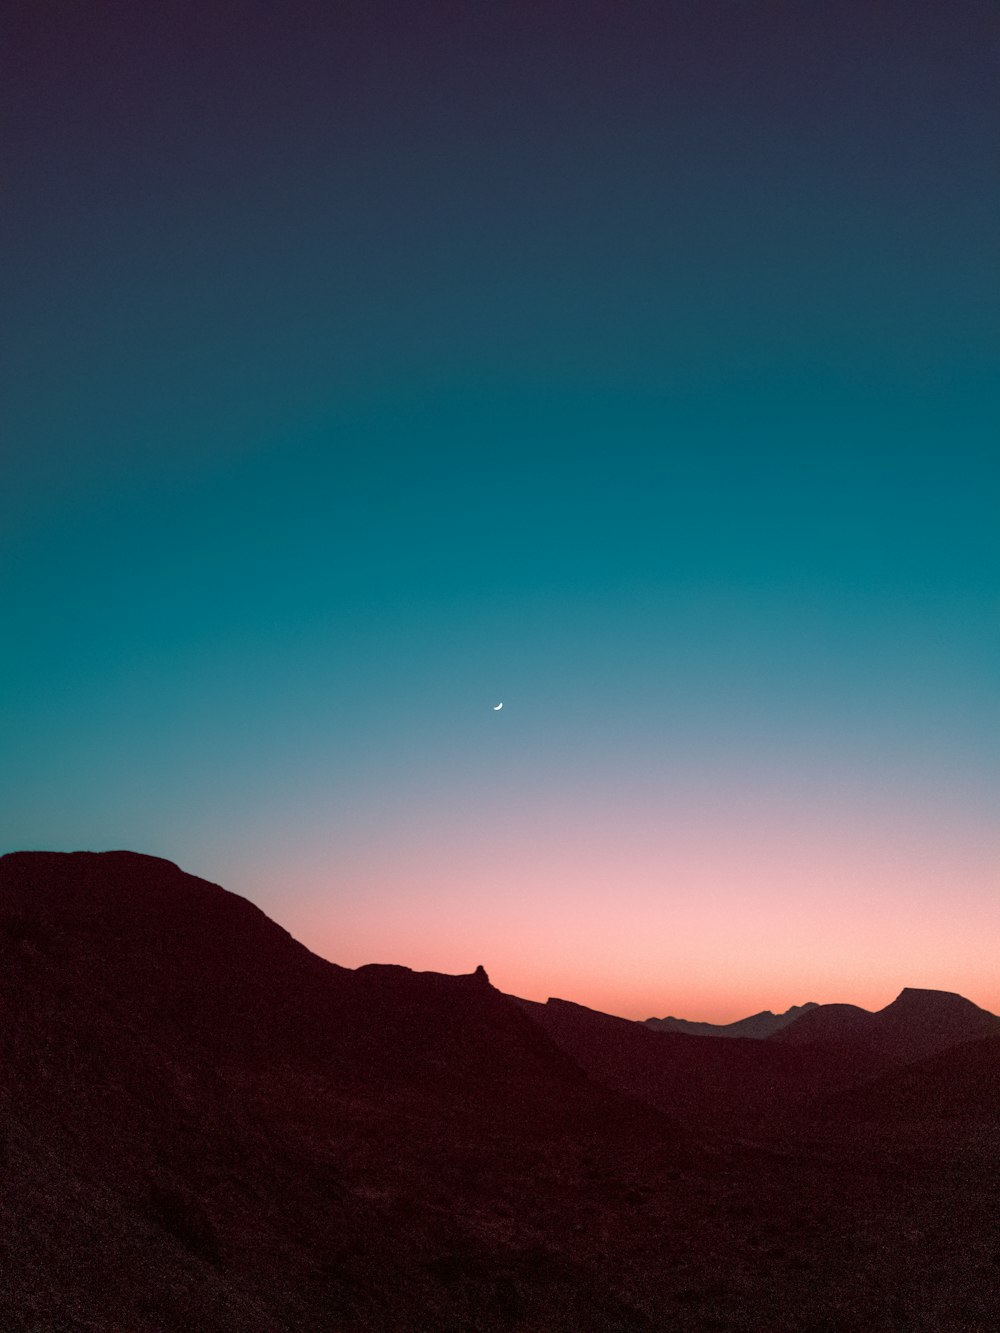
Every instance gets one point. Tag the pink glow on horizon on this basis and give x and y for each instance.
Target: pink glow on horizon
(644, 918)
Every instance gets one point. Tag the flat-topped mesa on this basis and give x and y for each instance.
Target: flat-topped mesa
(921, 997)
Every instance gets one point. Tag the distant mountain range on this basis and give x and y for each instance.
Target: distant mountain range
(758, 1026)
(916, 1024)
(205, 1126)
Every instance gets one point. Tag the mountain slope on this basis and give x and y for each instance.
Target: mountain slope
(205, 1126)
(960, 1084)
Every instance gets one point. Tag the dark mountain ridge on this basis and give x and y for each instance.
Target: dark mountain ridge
(916, 1024)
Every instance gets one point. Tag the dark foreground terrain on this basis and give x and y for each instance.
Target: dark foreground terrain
(205, 1127)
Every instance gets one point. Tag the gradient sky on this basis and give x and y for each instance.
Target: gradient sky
(635, 364)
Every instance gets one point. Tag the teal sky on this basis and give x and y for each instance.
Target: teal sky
(634, 365)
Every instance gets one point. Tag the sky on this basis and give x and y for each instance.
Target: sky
(635, 365)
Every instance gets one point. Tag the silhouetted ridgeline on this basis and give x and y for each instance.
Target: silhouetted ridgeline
(205, 1126)
(761, 1025)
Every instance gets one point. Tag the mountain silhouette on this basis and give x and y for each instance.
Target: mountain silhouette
(758, 1026)
(916, 1024)
(205, 1126)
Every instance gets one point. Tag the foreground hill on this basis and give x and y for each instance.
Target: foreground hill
(757, 1026)
(917, 1023)
(204, 1126)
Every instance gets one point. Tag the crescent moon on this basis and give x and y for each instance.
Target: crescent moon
(498, 706)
